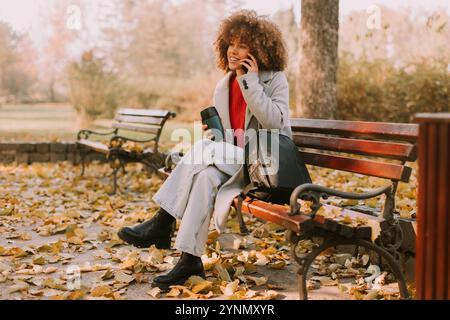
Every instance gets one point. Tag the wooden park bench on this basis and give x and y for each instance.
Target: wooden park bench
(367, 148)
(123, 145)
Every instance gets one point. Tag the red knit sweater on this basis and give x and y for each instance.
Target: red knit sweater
(237, 111)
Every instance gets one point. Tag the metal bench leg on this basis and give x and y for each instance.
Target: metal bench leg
(302, 261)
(83, 157)
(242, 227)
(305, 262)
(301, 281)
(115, 181)
(75, 154)
(355, 252)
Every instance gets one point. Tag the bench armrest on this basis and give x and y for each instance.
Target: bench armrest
(313, 192)
(122, 139)
(173, 158)
(84, 134)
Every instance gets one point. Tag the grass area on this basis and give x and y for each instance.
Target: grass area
(57, 122)
(37, 122)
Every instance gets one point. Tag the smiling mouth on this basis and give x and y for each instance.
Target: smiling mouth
(233, 60)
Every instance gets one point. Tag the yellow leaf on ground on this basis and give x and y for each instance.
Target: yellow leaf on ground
(371, 295)
(198, 284)
(259, 281)
(209, 263)
(122, 277)
(231, 288)
(278, 265)
(19, 286)
(350, 202)
(40, 260)
(101, 291)
(49, 270)
(154, 292)
(273, 227)
(76, 295)
(173, 293)
(373, 203)
(6, 211)
(155, 255)
(223, 273)
(267, 295)
(128, 264)
(212, 236)
(262, 259)
(347, 220)
(75, 240)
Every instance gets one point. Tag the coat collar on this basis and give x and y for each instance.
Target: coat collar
(222, 100)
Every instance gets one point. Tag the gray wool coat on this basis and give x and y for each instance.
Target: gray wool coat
(267, 97)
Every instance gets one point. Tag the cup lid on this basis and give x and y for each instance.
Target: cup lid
(208, 112)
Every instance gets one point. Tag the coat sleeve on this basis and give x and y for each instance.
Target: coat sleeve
(270, 111)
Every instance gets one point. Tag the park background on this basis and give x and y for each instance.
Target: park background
(66, 64)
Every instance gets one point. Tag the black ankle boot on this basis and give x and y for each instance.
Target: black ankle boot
(187, 266)
(157, 231)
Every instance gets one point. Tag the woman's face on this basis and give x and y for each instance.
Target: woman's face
(237, 51)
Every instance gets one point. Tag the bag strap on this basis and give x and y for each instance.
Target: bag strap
(242, 227)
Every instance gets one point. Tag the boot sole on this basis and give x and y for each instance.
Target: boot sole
(166, 286)
(160, 243)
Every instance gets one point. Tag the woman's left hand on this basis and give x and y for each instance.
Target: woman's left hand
(250, 64)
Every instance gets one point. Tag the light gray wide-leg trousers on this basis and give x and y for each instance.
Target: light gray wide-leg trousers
(189, 194)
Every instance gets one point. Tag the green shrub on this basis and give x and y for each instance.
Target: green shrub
(93, 90)
(379, 91)
(185, 96)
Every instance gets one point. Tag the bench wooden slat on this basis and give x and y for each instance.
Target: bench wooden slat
(139, 119)
(374, 225)
(366, 167)
(389, 131)
(143, 112)
(149, 121)
(274, 213)
(391, 150)
(146, 129)
(97, 146)
(279, 214)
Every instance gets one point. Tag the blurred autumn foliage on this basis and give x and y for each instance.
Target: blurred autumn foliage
(378, 91)
(17, 72)
(160, 54)
(391, 73)
(93, 90)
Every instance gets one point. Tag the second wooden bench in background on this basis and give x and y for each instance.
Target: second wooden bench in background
(147, 124)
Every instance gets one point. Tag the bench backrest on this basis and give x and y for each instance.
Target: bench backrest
(148, 121)
(321, 143)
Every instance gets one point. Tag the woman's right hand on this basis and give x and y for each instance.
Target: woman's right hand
(207, 132)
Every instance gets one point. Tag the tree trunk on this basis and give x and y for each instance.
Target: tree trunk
(51, 87)
(318, 59)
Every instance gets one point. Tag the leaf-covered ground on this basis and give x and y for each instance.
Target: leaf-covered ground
(58, 241)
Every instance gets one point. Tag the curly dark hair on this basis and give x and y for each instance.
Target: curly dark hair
(263, 37)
